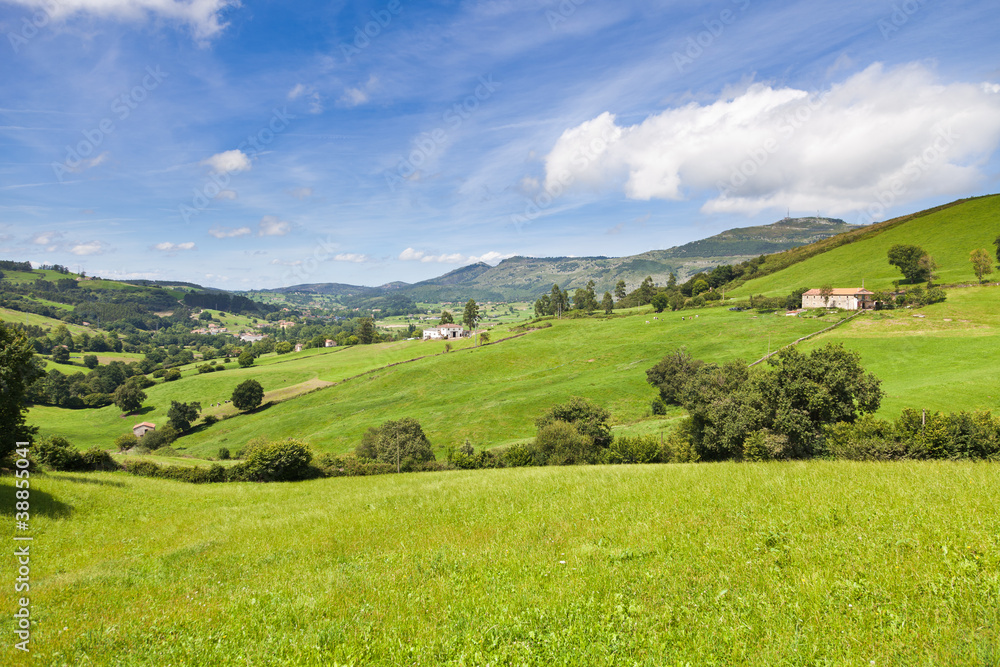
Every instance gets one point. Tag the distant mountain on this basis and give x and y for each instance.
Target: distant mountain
(526, 278)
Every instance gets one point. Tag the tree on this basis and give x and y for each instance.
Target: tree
(982, 263)
(588, 418)
(927, 265)
(996, 242)
(60, 355)
(620, 290)
(366, 331)
(646, 291)
(180, 415)
(17, 372)
(284, 347)
(608, 303)
(470, 314)
(484, 337)
(446, 318)
(90, 361)
(245, 359)
(660, 302)
(128, 397)
(671, 281)
(671, 373)
(401, 442)
(543, 306)
(247, 395)
(907, 259)
(558, 301)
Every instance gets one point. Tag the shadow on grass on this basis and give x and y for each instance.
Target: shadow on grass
(40, 503)
(89, 480)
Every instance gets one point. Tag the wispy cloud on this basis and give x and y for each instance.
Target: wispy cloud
(167, 246)
(272, 226)
(229, 232)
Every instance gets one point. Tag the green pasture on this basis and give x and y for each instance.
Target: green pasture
(949, 235)
(809, 563)
(492, 395)
(16, 316)
(941, 357)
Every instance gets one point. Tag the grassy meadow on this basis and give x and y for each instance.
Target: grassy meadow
(809, 563)
(949, 235)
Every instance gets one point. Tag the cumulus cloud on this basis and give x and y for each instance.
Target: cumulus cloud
(202, 16)
(229, 232)
(88, 248)
(166, 246)
(412, 255)
(897, 131)
(272, 226)
(231, 162)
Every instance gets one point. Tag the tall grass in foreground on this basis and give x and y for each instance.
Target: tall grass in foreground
(767, 564)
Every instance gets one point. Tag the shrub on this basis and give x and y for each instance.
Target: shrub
(142, 468)
(57, 453)
(208, 420)
(560, 443)
(96, 458)
(658, 407)
(161, 437)
(589, 419)
(160, 373)
(467, 458)
(517, 455)
(126, 441)
(402, 441)
(867, 439)
(635, 449)
(171, 375)
(224, 453)
(279, 461)
(678, 446)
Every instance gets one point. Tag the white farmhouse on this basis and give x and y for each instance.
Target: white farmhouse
(444, 331)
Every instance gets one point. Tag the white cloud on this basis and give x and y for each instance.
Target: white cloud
(88, 248)
(412, 255)
(166, 246)
(301, 193)
(229, 232)
(296, 91)
(226, 194)
(991, 87)
(272, 226)
(350, 257)
(232, 162)
(315, 101)
(202, 16)
(880, 131)
(47, 238)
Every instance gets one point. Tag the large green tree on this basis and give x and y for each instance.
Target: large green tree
(608, 303)
(247, 395)
(907, 258)
(446, 318)
(470, 314)
(129, 397)
(620, 290)
(588, 418)
(181, 415)
(366, 331)
(16, 372)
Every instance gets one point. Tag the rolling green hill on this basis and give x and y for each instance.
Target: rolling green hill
(949, 233)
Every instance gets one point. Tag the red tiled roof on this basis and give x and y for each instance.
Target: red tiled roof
(144, 424)
(839, 291)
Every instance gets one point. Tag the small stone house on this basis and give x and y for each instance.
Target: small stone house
(849, 298)
(330, 343)
(141, 429)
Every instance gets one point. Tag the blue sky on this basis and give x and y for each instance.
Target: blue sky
(260, 144)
